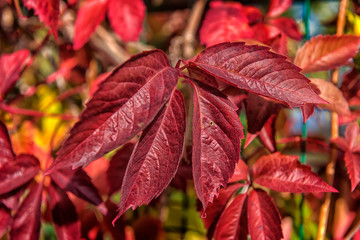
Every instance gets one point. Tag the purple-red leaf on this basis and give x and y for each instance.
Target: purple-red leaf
(10, 68)
(14, 174)
(26, 224)
(229, 222)
(89, 16)
(225, 21)
(352, 152)
(126, 18)
(277, 7)
(156, 157)
(79, 183)
(324, 53)
(67, 225)
(264, 220)
(256, 69)
(214, 210)
(217, 131)
(124, 105)
(48, 12)
(284, 173)
(6, 152)
(117, 167)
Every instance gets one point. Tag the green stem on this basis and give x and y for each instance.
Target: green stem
(306, 19)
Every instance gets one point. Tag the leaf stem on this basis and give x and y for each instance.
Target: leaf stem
(330, 169)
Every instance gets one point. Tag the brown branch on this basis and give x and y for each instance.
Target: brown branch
(330, 169)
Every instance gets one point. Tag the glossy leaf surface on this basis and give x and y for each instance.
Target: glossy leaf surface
(79, 183)
(264, 220)
(67, 225)
(324, 53)
(257, 70)
(16, 173)
(229, 222)
(48, 12)
(10, 68)
(89, 16)
(126, 18)
(224, 21)
(122, 107)
(156, 157)
(284, 173)
(277, 7)
(217, 131)
(26, 223)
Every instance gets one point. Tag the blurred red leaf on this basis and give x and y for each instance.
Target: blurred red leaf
(14, 174)
(217, 131)
(156, 157)
(332, 94)
(10, 68)
(79, 183)
(225, 21)
(229, 222)
(27, 220)
(6, 152)
(288, 26)
(117, 167)
(64, 70)
(253, 68)
(253, 14)
(5, 219)
(48, 12)
(324, 53)
(284, 173)
(126, 18)
(125, 104)
(351, 146)
(64, 214)
(96, 83)
(214, 210)
(264, 220)
(89, 16)
(277, 7)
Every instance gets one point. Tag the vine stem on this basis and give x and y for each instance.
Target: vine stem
(330, 169)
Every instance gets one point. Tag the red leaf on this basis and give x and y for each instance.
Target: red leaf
(79, 183)
(324, 53)
(117, 167)
(284, 173)
(352, 152)
(258, 111)
(277, 7)
(89, 16)
(64, 69)
(5, 219)
(224, 21)
(67, 225)
(229, 222)
(96, 83)
(241, 172)
(287, 26)
(6, 152)
(156, 157)
(217, 131)
(279, 44)
(123, 106)
(257, 70)
(16, 173)
(126, 18)
(307, 110)
(267, 134)
(214, 210)
(47, 10)
(10, 68)
(264, 220)
(26, 224)
(253, 14)
(263, 32)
